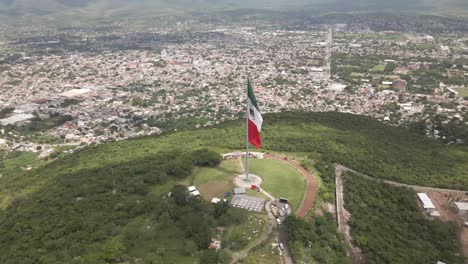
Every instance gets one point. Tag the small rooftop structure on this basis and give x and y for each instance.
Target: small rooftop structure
(75, 92)
(15, 119)
(239, 191)
(215, 244)
(195, 193)
(462, 208)
(435, 214)
(426, 202)
(234, 155)
(191, 188)
(215, 200)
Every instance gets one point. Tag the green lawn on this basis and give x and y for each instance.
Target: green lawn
(12, 169)
(280, 179)
(215, 182)
(14, 162)
(357, 74)
(349, 66)
(392, 77)
(378, 68)
(462, 91)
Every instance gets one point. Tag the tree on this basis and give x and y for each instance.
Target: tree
(220, 209)
(205, 157)
(113, 250)
(180, 194)
(211, 256)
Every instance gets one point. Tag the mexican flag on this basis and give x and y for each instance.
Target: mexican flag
(255, 118)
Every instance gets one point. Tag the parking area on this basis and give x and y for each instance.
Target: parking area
(248, 203)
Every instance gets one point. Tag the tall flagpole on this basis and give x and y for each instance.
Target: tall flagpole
(247, 134)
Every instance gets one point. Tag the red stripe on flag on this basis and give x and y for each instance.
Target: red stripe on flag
(254, 135)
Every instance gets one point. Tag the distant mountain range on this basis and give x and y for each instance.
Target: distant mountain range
(15, 8)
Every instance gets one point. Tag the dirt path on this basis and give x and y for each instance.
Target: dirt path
(414, 187)
(443, 203)
(245, 252)
(342, 218)
(311, 185)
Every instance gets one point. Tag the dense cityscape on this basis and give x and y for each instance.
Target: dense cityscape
(75, 88)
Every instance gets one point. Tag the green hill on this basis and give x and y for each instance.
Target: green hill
(389, 217)
(109, 202)
(83, 8)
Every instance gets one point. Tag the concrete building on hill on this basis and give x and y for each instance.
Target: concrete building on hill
(426, 202)
(462, 208)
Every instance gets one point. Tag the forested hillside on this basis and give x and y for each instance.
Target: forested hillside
(109, 202)
(387, 224)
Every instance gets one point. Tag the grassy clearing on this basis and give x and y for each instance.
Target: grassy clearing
(280, 179)
(394, 37)
(392, 77)
(378, 68)
(349, 67)
(17, 161)
(215, 182)
(357, 74)
(462, 91)
(12, 170)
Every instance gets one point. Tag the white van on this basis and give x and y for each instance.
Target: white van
(278, 221)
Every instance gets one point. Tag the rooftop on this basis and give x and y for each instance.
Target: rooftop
(461, 206)
(427, 203)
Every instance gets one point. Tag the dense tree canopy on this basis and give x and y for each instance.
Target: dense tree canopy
(315, 241)
(388, 225)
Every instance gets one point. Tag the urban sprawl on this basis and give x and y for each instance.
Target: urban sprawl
(77, 87)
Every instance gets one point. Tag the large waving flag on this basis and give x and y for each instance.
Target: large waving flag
(255, 118)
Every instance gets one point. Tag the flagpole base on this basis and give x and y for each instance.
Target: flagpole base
(244, 182)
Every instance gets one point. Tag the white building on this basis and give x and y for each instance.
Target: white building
(462, 208)
(195, 193)
(426, 202)
(234, 155)
(215, 200)
(17, 118)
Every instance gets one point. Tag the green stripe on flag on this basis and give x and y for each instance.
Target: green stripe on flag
(251, 95)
